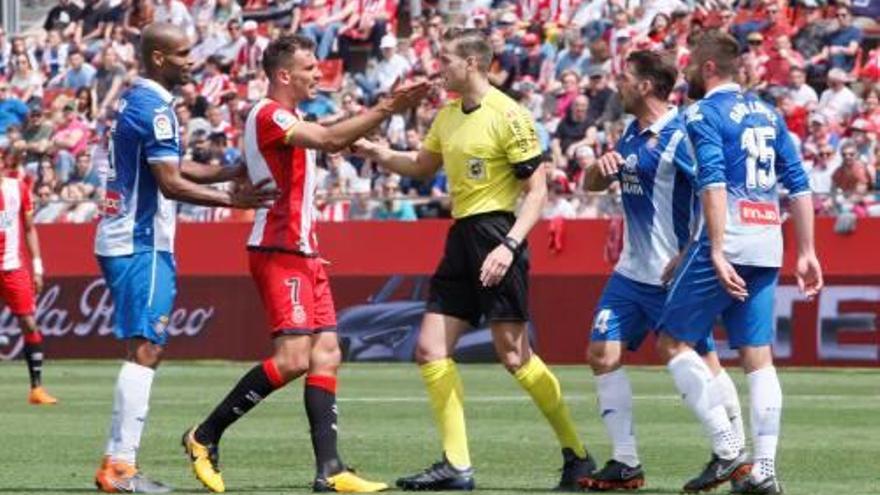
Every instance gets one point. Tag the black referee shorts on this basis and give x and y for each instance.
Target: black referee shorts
(455, 287)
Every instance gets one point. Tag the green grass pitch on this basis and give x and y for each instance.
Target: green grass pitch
(830, 442)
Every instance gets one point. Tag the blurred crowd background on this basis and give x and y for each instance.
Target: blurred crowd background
(817, 62)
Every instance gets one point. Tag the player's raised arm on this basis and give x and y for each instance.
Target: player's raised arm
(341, 135)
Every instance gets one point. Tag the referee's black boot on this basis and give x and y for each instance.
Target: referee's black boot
(573, 469)
(441, 476)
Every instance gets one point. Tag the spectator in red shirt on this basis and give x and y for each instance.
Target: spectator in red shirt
(782, 58)
(250, 55)
(852, 177)
(870, 71)
(794, 114)
(776, 25)
(870, 110)
(215, 84)
(755, 61)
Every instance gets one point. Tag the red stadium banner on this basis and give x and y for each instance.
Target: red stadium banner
(380, 272)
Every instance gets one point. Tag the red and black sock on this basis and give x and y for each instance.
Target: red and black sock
(320, 400)
(253, 387)
(33, 354)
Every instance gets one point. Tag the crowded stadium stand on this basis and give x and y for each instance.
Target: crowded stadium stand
(818, 62)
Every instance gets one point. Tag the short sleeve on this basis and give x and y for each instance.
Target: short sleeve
(27, 199)
(432, 139)
(519, 138)
(707, 144)
(162, 135)
(274, 124)
(683, 155)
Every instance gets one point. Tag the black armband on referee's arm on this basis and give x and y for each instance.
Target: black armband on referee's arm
(524, 170)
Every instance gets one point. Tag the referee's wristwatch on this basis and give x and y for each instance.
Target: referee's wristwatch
(511, 244)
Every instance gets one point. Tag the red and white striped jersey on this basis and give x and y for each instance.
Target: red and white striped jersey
(289, 225)
(15, 203)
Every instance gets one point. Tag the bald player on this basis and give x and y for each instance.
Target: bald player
(135, 238)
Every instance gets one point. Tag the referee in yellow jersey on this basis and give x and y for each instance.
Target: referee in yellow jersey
(489, 146)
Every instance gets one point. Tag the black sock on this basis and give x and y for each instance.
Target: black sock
(33, 354)
(320, 400)
(253, 387)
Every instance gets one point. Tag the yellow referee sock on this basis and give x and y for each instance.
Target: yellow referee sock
(447, 397)
(542, 385)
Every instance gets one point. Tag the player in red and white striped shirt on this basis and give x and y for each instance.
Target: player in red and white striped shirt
(17, 288)
(285, 265)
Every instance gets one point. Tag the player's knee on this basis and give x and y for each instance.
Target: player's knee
(291, 366)
(27, 324)
(512, 360)
(667, 347)
(602, 361)
(326, 361)
(147, 354)
(426, 354)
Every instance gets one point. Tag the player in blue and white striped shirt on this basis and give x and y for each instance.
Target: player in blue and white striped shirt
(742, 145)
(655, 167)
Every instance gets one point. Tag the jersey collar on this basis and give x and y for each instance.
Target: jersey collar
(658, 126)
(731, 86)
(157, 88)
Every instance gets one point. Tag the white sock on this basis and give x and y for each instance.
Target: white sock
(693, 379)
(726, 394)
(133, 388)
(766, 415)
(615, 406)
(113, 437)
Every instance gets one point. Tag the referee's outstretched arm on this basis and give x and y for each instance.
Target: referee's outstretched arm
(420, 165)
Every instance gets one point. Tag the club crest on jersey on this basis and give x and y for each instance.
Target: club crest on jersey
(631, 163)
(283, 119)
(476, 169)
(162, 127)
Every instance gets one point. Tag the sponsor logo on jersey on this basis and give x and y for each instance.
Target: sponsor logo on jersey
(7, 219)
(757, 213)
(112, 204)
(162, 127)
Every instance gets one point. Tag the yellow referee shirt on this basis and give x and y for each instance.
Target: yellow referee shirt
(479, 150)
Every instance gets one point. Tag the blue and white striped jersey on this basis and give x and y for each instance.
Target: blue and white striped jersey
(743, 145)
(136, 217)
(656, 181)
